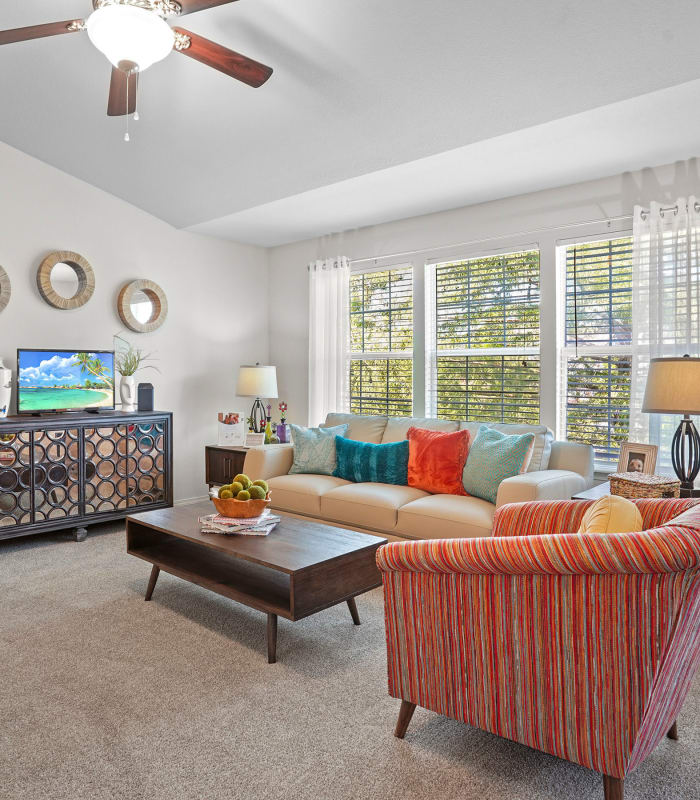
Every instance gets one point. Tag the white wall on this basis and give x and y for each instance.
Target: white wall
(216, 293)
(515, 221)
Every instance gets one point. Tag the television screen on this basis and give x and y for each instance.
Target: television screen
(64, 380)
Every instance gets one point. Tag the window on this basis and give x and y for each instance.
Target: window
(381, 342)
(596, 356)
(483, 341)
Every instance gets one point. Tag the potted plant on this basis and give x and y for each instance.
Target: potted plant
(128, 361)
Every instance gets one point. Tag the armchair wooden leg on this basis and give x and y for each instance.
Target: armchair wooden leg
(405, 714)
(673, 731)
(614, 788)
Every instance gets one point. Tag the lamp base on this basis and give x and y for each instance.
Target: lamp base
(685, 455)
(258, 415)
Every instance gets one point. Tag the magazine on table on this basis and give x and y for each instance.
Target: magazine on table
(254, 526)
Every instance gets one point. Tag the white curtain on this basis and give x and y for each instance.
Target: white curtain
(329, 337)
(665, 303)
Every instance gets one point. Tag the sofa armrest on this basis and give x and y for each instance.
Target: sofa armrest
(268, 461)
(549, 484)
(537, 517)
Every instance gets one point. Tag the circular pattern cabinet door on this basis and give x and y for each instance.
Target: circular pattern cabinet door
(65, 280)
(5, 288)
(142, 306)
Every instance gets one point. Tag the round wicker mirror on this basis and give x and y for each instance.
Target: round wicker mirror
(142, 306)
(65, 280)
(5, 288)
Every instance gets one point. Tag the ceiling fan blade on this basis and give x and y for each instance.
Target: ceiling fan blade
(227, 61)
(39, 31)
(116, 107)
(190, 6)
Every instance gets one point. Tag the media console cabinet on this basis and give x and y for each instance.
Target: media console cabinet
(77, 469)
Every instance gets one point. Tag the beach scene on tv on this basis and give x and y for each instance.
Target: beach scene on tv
(64, 380)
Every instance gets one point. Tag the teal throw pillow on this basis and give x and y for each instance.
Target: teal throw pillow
(493, 457)
(314, 449)
(364, 462)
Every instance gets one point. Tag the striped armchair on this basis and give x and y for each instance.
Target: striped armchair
(582, 646)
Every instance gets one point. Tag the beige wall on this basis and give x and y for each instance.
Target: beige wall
(515, 222)
(217, 294)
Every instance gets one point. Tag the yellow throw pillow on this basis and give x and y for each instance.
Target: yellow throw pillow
(612, 514)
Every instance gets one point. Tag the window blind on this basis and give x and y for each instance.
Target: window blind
(483, 340)
(596, 356)
(381, 342)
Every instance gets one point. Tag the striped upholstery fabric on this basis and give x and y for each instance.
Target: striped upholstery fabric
(581, 646)
(564, 516)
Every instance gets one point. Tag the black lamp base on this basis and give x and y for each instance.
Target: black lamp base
(259, 416)
(685, 456)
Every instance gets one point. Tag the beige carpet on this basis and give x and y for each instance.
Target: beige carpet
(105, 696)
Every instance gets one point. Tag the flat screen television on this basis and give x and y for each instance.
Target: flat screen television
(64, 380)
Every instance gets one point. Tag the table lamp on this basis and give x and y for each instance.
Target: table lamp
(673, 387)
(257, 381)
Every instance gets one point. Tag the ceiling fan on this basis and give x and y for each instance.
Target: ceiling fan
(134, 34)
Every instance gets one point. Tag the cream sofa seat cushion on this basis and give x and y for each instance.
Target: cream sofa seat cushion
(446, 516)
(369, 505)
(301, 493)
(397, 427)
(361, 427)
(543, 439)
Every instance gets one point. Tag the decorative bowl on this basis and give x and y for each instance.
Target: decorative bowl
(241, 509)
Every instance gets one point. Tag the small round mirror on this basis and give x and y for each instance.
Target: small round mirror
(142, 307)
(64, 280)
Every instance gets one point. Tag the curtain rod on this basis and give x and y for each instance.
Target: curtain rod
(644, 213)
(530, 232)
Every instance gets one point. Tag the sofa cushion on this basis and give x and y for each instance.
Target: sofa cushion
(436, 460)
(446, 516)
(364, 462)
(612, 514)
(361, 427)
(301, 494)
(397, 427)
(369, 505)
(543, 439)
(314, 449)
(493, 457)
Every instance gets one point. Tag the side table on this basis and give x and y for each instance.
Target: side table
(222, 464)
(602, 490)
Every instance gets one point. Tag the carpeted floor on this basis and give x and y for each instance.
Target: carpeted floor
(104, 696)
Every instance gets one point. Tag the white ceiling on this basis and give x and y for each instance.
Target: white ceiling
(360, 88)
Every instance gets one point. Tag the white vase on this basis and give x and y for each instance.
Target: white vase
(5, 390)
(127, 392)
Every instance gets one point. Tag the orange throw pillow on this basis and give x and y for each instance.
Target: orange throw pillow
(436, 460)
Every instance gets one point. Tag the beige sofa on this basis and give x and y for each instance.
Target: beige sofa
(557, 471)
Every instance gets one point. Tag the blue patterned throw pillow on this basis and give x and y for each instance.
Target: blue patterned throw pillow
(314, 449)
(363, 462)
(493, 457)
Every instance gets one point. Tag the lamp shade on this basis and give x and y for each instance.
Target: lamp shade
(673, 386)
(257, 381)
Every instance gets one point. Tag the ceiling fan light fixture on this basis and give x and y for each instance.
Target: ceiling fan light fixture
(132, 34)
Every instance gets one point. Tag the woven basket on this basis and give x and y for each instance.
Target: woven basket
(635, 485)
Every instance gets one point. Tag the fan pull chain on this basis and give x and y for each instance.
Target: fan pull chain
(126, 135)
(136, 109)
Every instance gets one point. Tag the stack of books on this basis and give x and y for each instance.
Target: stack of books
(255, 526)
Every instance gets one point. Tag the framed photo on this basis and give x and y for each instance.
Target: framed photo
(254, 439)
(637, 458)
(232, 429)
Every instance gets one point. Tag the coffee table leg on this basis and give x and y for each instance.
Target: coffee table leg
(352, 605)
(271, 638)
(155, 572)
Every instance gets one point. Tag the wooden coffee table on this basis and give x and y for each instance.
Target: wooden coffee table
(301, 568)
